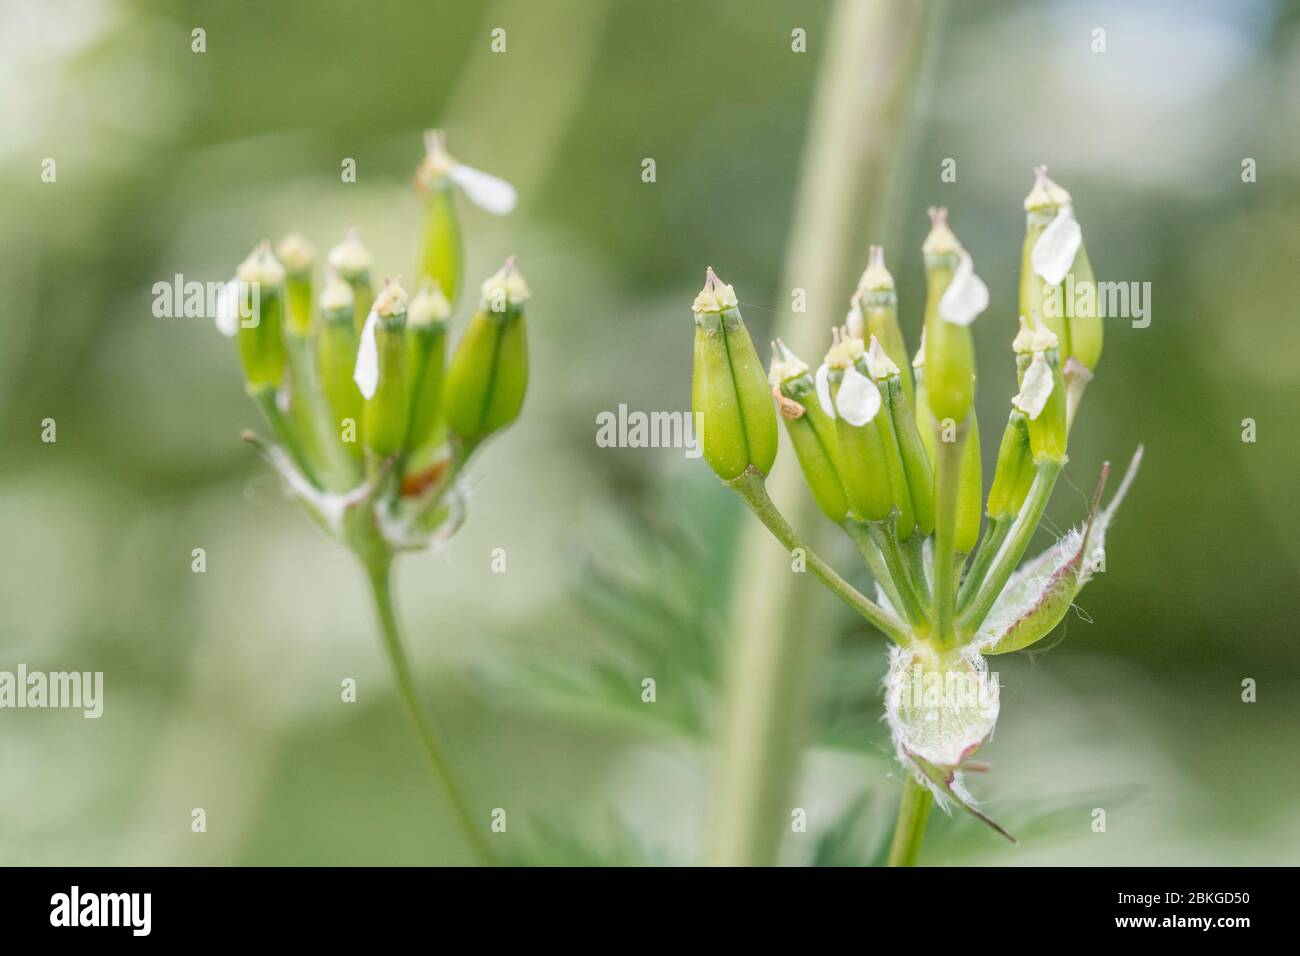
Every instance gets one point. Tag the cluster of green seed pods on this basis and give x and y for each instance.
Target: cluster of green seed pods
(357, 380)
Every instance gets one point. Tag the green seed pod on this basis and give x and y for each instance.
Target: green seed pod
(883, 372)
(876, 303)
(298, 256)
(336, 361)
(260, 339)
(441, 252)
(970, 490)
(352, 261)
(728, 388)
(488, 374)
(811, 431)
(916, 459)
(426, 332)
(1046, 256)
(925, 423)
(1082, 312)
(1014, 470)
(1042, 392)
(857, 404)
(381, 374)
(955, 296)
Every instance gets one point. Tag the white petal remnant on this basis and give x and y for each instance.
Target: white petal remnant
(366, 373)
(879, 364)
(854, 321)
(486, 191)
(716, 296)
(1056, 248)
(822, 381)
(785, 365)
(967, 295)
(940, 706)
(858, 399)
(227, 316)
(1036, 387)
(506, 289)
(350, 258)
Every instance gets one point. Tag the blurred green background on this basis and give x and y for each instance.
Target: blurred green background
(223, 688)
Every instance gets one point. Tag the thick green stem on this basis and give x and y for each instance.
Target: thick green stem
(1031, 512)
(750, 486)
(909, 831)
(381, 587)
(946, 481)
(995, 534)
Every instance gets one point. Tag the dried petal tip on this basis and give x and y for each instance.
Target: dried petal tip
(429, 305)
(879, 364)
(716, 296)
(296, 253)
(844, 350)
(261, 266)
(337, 295)
(1045, 194)
(392, 299)
(350, 258)
(506, 286)
(1033, 338)
(941, 241)
(876, 278)
(785, 365)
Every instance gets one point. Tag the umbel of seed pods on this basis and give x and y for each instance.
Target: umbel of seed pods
(373, 421)
(889, 448)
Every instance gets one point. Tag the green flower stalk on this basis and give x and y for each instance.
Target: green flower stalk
(352, 261)
(381, 374)
(488, 374)
(298, 256)
(370, 457)
(811, 431)
(728, 389)
(441, 253)
(426, 323)
(898, 466)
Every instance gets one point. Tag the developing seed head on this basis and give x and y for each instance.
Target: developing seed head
(350, 258)
(716, 296)
(296, 253)
(786, 366)
(1045, 194)
(876, 278)
(429, 306)
(845, 349)
(336, 296)
(506, 287)
(261, 267)
(941, 241)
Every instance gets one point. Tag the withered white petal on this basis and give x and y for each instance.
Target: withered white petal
(823, 384)
(228, 309)
(858, 399)
(1035, 388)
(485, 190)
(1054, 252)
(366, 373)
(967, 295)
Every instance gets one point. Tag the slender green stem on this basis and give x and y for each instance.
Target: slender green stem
(909, 831)
(267, 400)
(886, 538)
(1031, 512)
(994, 535)
(751, 488)
(875, 561)
(915, 547)
(946, 480)
(381, 588)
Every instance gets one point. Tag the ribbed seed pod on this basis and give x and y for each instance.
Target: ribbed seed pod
(811, 431)
(426, 332)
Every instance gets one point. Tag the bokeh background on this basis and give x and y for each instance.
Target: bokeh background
(223, 688)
